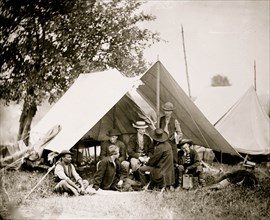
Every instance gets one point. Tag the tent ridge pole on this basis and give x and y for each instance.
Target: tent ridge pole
(182, 31)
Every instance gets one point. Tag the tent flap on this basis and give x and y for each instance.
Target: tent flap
(83, 105)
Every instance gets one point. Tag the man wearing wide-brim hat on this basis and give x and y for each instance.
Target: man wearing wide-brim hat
(140, 146)
(69, 181)
(160, 165)
(113, 135)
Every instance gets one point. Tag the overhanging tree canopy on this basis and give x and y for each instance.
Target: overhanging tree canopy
(46, 44)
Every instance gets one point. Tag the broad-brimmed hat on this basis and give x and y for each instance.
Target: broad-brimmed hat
(64, 152)
(140, 124)
(184, 141)
(168, 106)
(113, 132)
(159, 135)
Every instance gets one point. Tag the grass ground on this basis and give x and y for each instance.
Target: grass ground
(230, 203)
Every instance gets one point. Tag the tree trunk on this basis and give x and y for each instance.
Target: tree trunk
(28, 113)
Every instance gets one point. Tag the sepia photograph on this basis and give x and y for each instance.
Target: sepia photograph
(134, 109)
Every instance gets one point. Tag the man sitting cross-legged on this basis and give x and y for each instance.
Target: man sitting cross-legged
(69, 181)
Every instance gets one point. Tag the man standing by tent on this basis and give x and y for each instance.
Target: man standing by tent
(69, 180)
(113, 140)
(140, 146)
(171, 126)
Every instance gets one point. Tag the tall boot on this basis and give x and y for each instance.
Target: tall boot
(136, 175)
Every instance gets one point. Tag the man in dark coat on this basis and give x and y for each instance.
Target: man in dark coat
(171, 126)
(113, 140)
(160, 165)
(189, 161)
(140, 146)
(110, 173)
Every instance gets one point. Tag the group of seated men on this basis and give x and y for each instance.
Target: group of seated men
(155, 159)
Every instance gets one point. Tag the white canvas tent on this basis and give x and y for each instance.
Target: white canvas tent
(214, 102)
(99, 101)
(239, 118)
(83, 107)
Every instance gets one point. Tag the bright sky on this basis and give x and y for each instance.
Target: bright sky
(221, 37)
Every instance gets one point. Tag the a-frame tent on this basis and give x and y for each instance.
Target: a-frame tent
(95, 103)
(193, 123)
(246, 126)
(215, 101)
(239, 117)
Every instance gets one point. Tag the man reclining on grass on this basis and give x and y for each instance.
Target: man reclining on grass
(243, 177)
(69, 181)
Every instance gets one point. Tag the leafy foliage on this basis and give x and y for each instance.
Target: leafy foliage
(45, 44)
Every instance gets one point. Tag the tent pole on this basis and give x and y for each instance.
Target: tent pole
(158, 93)
(221, 157)
(114, 116)
(182, 30)
(95, 151)
(77, 156)
(255, 87)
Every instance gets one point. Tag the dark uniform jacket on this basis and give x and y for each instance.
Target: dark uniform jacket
(133, 146)
(107, 176)
(238, 176)
(162, 163)
(104, 152)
